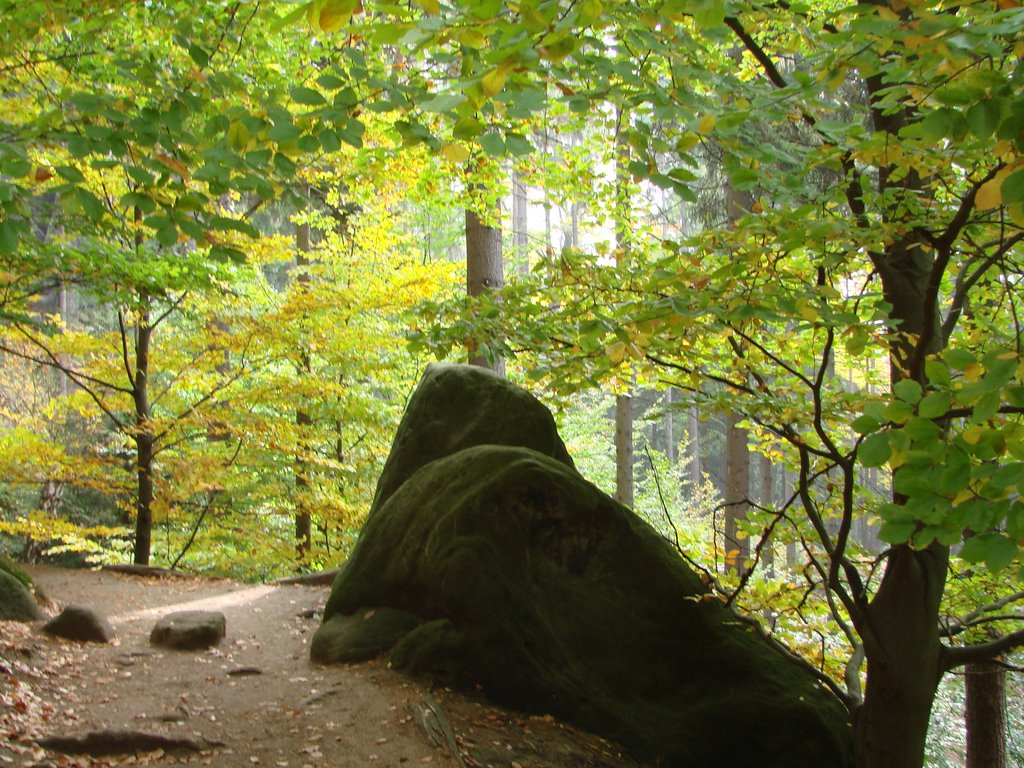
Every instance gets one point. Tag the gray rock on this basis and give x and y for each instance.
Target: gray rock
(556, 599)
(82, 623)
(189, 630)
(16, 601)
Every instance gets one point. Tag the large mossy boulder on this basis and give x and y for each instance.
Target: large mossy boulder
(531, 582)
(459, 406)
(16, 601)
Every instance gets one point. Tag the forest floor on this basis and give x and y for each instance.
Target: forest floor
(255, 700)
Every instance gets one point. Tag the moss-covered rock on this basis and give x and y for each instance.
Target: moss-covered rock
(361, 635)
(7, 564)
(16, 601)
(556, 599)
(459, 406)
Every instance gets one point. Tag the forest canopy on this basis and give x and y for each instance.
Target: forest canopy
(784, 238)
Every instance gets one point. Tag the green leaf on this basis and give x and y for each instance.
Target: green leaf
(984, 117)
(898, 412)
(907, 390)
(518, 145)
(70, 173)
(937, 372)
(875, 450)
(330, 81)
(708, 14)
(893, 532)
(443, 102)
(168, 234)
(995, 549)
(959, 359)
(284, 132)
(987, 406)
(492, 143)
(954, 478)
(1013, 188)
(199, 56)
(91, 204)
(467, 128)
(865, 425)
(302, 95)
(934, 405)
(8, 237)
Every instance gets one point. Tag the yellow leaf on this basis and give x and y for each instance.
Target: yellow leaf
(238, 135)
(806, 311)
(331, 15)
(454, 152)
(990, 193)
(174, 164)
(430, 6)
(492, 83)
(972, 435)
(687, 142)
(973, 372)
(706, 124)
(616, 352)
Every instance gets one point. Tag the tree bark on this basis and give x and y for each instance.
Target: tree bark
(484, 272)
(765, 497)
(143, 438)
(985, 684)
(624, 450)
(693, 446)
(671, 452)
(900, 626)
(520, 224)
(737, 494)
(303, 421)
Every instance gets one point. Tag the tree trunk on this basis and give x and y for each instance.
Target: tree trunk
(624, 450)
(985, 684)
(900, 626)
(901, 643)
(693, 446)
(671, 452)
(303, 421)
(520, 224)
(765, 497)
(737, 494)
(484, 272)
(143, 437)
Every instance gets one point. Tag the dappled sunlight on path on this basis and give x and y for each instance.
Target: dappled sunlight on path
(226, 600)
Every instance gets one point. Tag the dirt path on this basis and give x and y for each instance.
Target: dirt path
(256, 700)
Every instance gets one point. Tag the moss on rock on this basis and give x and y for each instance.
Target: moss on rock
(16, 602)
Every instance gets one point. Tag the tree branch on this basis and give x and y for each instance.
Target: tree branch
(958, 657)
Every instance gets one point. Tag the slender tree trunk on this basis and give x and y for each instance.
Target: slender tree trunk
(737, 494)
(985, 684)
(766, 499)
(624, 450)
(143, 437)
(671, 452)
(623, 216)
(737, 454)
(303, 420)
(693, 446)
(520, 223)
(484, 272)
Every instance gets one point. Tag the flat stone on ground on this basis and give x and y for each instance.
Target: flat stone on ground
(82, 623)
(189, 630)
